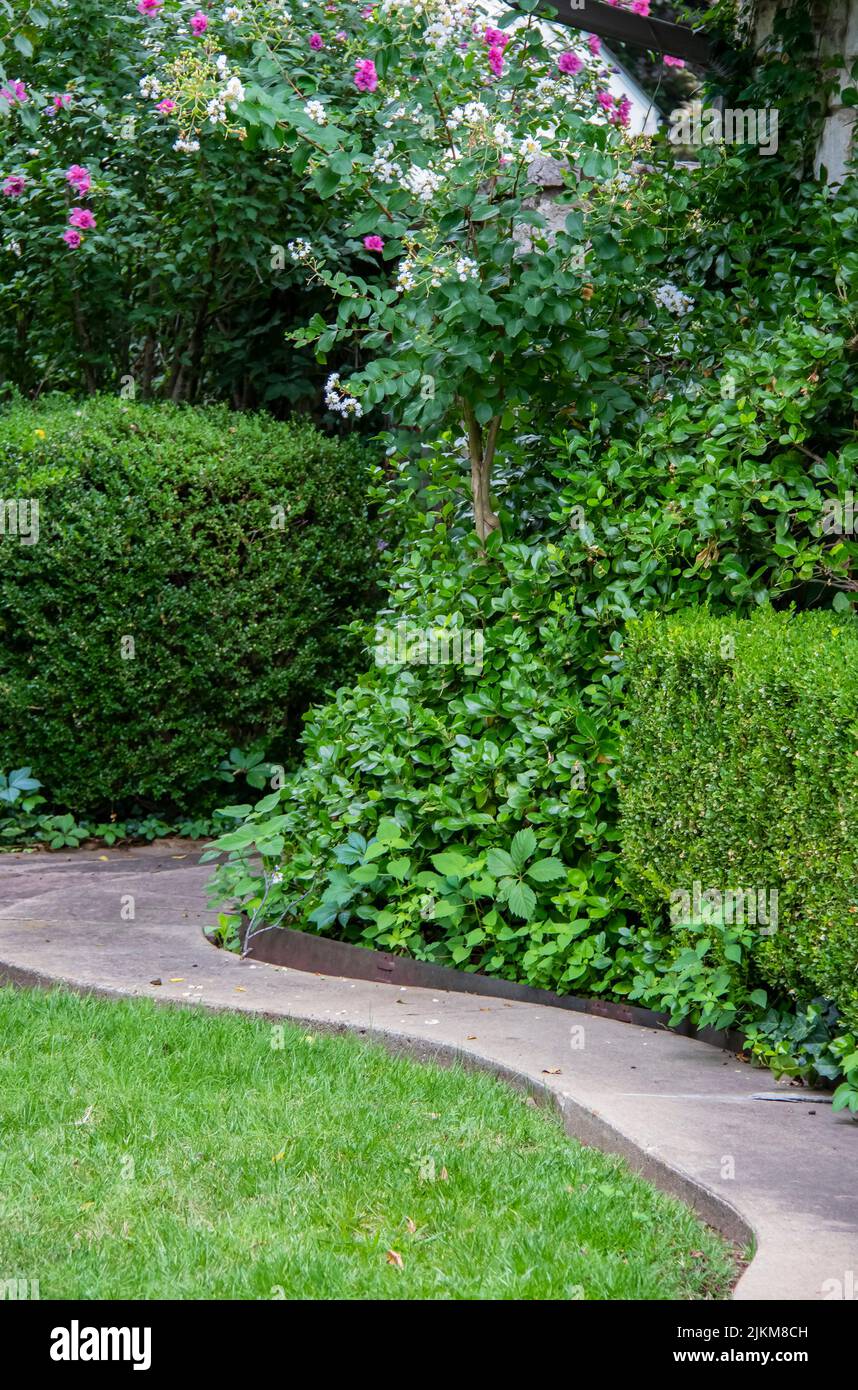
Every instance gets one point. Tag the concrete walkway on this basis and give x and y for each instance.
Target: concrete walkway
(684, 1114)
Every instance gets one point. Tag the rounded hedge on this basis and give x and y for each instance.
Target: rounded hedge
(186, 593)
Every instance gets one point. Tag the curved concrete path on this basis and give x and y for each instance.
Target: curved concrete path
(683, 1114)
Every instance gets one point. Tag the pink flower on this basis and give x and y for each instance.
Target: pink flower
(366, 77)
(14, 185)
(341, 35)
(367, 13)
(82, 217)
(80, 179)
(624, 111)
(199, 23)
(16, 91)
(673, 62)
(594, 43)
(496, 61)
(640, 7)
(570, 62)
(496, 38)
(60, 100)
(166, 106)
(605, 100)
(373, 243)
(72, 238)
(316, 42)
(149, 7)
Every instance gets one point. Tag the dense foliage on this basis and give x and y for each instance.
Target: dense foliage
(740, 760)
(184, 594)
(150, 271)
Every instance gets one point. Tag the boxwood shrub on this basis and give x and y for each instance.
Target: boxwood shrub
(186, 593)
(740, 770)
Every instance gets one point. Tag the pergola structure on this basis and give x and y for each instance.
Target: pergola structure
(612, 23)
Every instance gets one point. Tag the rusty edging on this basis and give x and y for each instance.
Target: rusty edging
(321, 955)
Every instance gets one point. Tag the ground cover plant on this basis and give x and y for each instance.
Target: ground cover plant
(334, 1171)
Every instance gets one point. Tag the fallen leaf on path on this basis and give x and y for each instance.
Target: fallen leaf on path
(177, 979)
(551, 1071)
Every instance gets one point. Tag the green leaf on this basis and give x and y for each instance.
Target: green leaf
(500, 864)
(522, 847)
(522, 901)
(451, 864)
(546, 870)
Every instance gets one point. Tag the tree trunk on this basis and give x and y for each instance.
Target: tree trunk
(481, 450)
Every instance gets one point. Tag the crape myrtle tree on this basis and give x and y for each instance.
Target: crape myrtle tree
(421, 126)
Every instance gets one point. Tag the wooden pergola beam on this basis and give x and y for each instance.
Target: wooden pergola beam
(623, 26)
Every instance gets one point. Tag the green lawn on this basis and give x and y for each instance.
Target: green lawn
(159, 1153)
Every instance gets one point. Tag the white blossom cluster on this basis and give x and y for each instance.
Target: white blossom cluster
(186, 146)
(316, 112)
(450, 17)
(385, 168)
(338, 400)
(150, 87)
(423, 183)
(405, 279)
(232, 14)
(402, 113)
(473, 113)
(466, 268)
(673, 299)
(299, 250)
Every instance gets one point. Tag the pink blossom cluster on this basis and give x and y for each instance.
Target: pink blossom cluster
(15, 92)
(366, 77)
(81, 220)
(570, 63)
(496, 41)
(617, 109)
(149, 7)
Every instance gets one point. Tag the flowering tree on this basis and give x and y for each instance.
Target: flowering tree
(422, 126)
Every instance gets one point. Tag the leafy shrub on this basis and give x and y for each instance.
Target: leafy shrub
(422, 764)
(185, 595)
(740, 771)
(182, 290)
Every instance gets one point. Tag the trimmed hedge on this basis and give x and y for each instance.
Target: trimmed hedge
(160, 524)
(740, 769)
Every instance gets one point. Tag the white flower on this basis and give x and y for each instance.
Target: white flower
(405, 276)
(185, 146)
(233, 93)
(150, 87)
(423, 183)
(466, 268)
(339, 401)
(316, 112)
(232, 14)
(673, 299)
(530, 148)
(299, 250)
(216, 111)
(385, 168)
